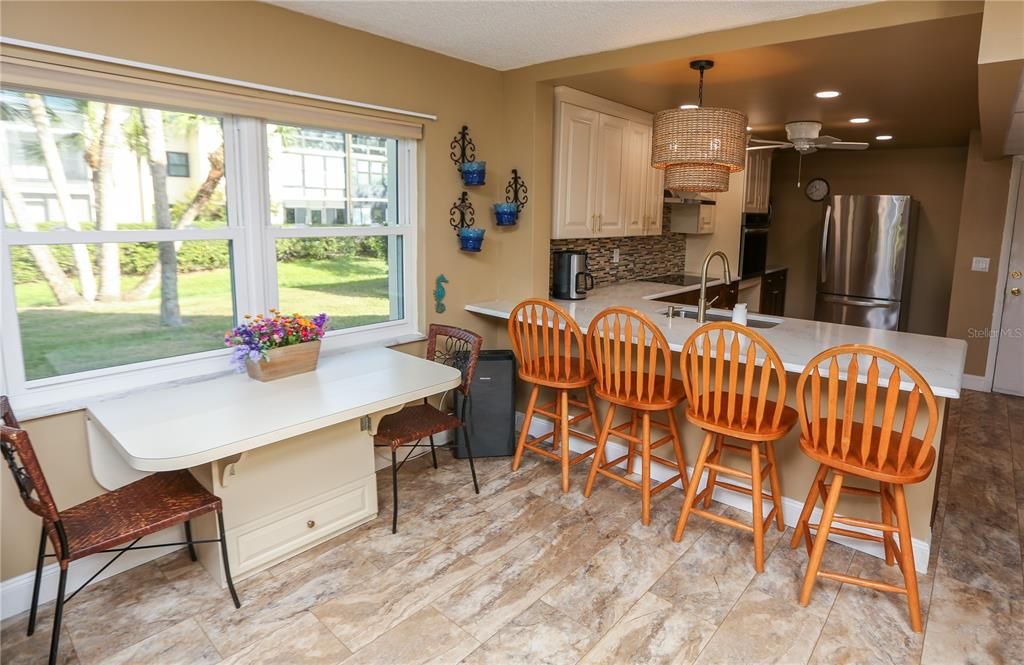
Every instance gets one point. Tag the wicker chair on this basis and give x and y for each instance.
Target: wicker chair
(105, 523)
(448, 345)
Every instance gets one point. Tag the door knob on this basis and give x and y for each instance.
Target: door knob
(1015, 291)
(310, 524)
(1016, 274)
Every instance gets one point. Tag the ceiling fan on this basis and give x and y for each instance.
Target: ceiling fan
(804, 138)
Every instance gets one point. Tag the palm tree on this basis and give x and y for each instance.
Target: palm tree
(156, 153)
(55, 168)
(100, 157)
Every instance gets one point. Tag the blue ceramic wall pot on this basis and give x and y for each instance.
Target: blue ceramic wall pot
(473, 173)
(506, 213)
(470, 239)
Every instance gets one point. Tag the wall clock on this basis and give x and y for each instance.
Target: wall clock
(817, 189)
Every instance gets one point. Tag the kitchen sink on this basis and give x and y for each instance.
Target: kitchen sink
(752, 322)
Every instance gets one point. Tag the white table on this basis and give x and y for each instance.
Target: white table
(292, 460)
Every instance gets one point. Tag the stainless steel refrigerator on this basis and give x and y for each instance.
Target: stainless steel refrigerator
(865, 261)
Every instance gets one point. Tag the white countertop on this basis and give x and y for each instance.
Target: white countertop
(192, 424)
(939, 360)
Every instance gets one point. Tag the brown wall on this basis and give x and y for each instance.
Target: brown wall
(982, 218)
(933, 176)
(237, 40)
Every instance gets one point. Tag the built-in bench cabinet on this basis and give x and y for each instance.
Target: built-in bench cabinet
(604, 185)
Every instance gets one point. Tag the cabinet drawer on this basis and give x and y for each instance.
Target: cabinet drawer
(293, 530)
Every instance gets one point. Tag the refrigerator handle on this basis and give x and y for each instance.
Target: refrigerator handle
(824, 244)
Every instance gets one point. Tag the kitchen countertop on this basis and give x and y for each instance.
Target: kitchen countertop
(940, 360)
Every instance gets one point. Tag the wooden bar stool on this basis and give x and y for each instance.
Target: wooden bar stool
(731, 396)
(625, 348)
(548, 345)
(113, 522)
(856, 437)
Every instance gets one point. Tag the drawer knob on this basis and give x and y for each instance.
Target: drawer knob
(310, 524)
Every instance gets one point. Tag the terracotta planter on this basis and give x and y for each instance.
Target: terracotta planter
(285, 361)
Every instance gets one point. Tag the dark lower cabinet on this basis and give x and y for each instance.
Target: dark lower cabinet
(727, 296)
(773, 293)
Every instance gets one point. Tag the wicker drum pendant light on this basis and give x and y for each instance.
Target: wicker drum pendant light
(699, 147)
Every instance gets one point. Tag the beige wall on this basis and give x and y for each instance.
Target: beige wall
(247, 41)
(982, 219)
(933, 176)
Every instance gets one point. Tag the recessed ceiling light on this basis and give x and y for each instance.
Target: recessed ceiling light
(689, 106)
(827, 94)
(884, 137)
(859, 121)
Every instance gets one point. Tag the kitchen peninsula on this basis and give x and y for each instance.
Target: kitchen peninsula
(939, 360)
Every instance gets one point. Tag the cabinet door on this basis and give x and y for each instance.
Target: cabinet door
(576, 172)
(655, 200)
(765, 176)
(609, 194)
(752, 181)
(635, 175)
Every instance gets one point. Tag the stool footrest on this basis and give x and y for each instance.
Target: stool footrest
(728, 470)
(860, 581)
(742, 490)
(866, 524)
(721, 519)
(860, 491)
(665, 483)
(846, 532)
(622, 479)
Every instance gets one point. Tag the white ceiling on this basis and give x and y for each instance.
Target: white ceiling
(506, 34)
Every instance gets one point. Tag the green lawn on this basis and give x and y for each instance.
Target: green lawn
(63, 339)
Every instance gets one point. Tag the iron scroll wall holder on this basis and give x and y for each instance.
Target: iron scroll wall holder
(516, 191)
(462, 148)
(462, 215)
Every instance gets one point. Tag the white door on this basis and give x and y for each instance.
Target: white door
(609, 195)
(577, 169)
(1009, 369)
(635, 169)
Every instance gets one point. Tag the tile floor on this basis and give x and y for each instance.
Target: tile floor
(524, 574)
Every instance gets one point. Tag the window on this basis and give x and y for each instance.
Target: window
(177, 164)
(122, 265)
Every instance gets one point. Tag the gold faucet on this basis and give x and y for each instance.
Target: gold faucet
(702, 304)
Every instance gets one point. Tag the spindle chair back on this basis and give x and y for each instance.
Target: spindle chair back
(733, 378)
(865, 428)
(626, 349)
(547, 343)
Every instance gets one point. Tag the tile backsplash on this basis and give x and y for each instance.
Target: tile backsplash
(639, 256)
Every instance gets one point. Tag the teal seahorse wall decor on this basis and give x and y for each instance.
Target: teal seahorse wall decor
(439, 293)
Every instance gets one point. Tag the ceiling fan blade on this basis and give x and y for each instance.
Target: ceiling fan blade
(825, 140)
(846, 145)
(769, 142)
(778, 146)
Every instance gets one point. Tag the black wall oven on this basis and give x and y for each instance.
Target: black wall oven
(754, 244)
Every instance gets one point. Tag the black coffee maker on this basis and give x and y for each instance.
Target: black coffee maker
(571, 280)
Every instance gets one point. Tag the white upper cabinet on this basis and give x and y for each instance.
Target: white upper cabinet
(576, 179)
(604, 184)
(758, 181)
(635, 167)
(610, 207)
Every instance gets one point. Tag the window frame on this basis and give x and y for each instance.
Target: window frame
(187, 164)
(254, 271)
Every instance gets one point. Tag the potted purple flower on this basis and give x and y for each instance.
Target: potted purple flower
(274, 347)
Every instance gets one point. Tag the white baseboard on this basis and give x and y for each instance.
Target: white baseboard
(16, 592)
(975, 382)
(791, 508)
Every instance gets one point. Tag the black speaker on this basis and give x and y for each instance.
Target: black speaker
(491, 412)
